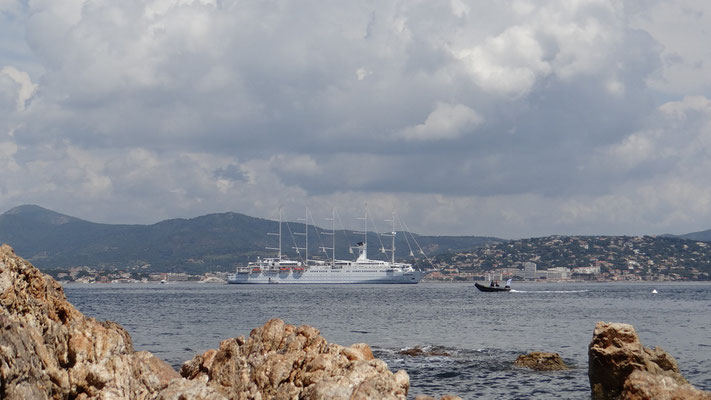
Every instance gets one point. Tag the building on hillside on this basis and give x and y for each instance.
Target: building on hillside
(529, 271)
(495, 276)
(587, 273)
(558, 273)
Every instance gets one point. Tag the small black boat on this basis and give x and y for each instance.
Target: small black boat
(486, 288)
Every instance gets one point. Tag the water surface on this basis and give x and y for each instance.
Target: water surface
(482, 333)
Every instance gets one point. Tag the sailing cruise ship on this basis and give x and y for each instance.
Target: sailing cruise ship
(361, 271)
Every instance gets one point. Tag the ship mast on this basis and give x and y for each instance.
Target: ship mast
(277, 234)
(392, 247)
(306, 238)
(333, 237)
(392, 236)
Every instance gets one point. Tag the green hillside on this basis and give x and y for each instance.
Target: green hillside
(211, 242)
(617, 257)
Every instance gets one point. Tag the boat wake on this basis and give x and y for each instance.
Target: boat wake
(548, 291)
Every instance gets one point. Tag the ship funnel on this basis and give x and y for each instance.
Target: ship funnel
(362, 252)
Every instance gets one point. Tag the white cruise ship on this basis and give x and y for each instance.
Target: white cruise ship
(360, 271)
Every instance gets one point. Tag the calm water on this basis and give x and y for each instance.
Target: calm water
(482, 332)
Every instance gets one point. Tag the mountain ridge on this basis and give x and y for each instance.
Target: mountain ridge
(215, 241)
(704, 236)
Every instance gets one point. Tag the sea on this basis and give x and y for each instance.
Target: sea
(469, 339)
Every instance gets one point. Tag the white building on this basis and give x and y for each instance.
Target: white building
(587, 270)
(558, 273)
(529, 271)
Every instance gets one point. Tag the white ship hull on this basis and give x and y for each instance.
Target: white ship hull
(361, 271)
(327, 276)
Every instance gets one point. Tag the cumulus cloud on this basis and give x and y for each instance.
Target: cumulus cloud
(560, 38)
(511, 119)
(446, 121)
(23, 89)
(509, 63)
(679, 28)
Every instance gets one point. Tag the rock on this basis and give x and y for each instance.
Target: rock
(279, 360)
(418, 351)
(412, 352)
(620, 367)
(50, 350)
(540, 361)
(643, 385)
(183, 389)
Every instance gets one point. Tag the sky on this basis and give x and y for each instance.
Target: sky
(512, 118)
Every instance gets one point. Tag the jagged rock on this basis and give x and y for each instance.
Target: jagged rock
(49, 350)
(279, 360)
(540, 361)
(620, 367)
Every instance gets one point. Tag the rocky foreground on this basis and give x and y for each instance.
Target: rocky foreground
(49, 350)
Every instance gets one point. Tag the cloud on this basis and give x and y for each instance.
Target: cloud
(509, 63)
(561, 39)
(511, 119)
(447, 121)
(23, 88)
(679, 28)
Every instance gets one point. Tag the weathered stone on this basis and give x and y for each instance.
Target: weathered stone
(279, 360)
(620, 367)
(49, 350)
(183, 389)
(643, 385)
(540, 361)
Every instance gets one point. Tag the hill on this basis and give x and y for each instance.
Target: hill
(704, 236)
(617, 257)
(211, 242)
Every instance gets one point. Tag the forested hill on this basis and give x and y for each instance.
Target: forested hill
(211, 242)
(647, 257)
